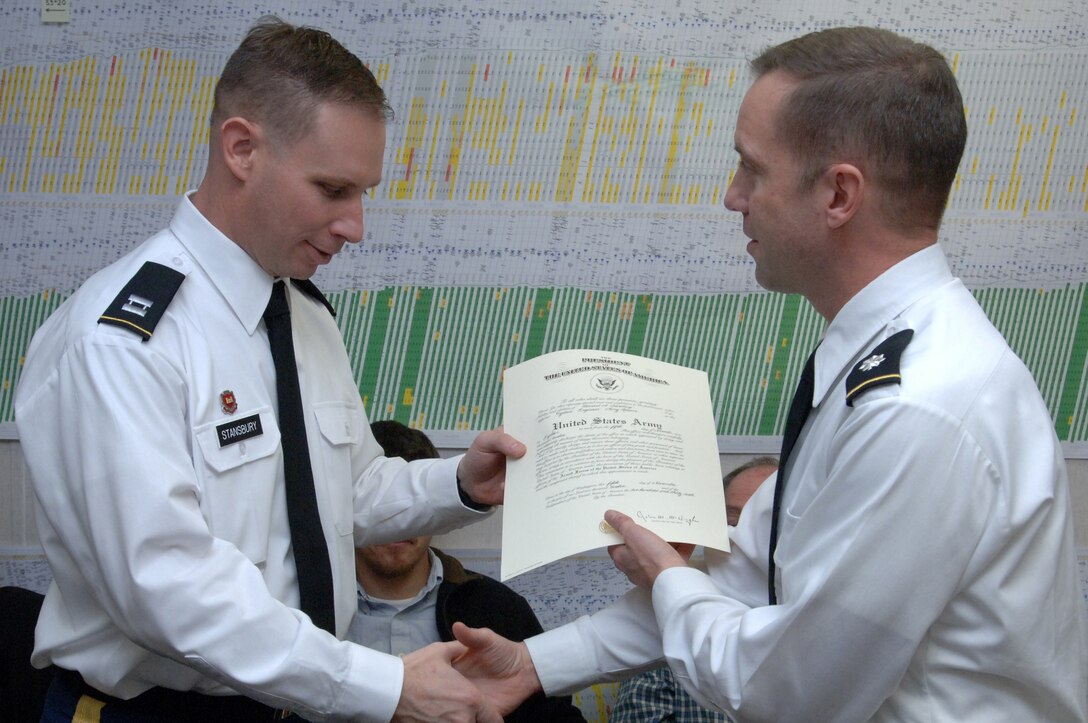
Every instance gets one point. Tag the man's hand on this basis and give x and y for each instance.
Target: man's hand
(500, 668)
(643, 555)
(482, 471)
(434, 691)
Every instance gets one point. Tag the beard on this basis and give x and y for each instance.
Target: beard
(394, 561)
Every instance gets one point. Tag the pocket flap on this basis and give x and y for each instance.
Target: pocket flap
(230, 442)
(338, 421)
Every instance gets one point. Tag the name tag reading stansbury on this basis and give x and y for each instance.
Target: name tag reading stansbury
(238, 430)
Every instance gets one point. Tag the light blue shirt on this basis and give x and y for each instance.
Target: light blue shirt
(398, 626)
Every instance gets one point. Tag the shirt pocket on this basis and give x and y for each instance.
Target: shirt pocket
(338, 424)
(238, 481)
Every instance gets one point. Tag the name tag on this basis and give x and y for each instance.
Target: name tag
(238, 430)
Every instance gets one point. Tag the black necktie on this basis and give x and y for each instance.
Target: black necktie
(307, 537)
(799, 409)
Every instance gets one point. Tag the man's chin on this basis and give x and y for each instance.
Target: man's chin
(764, 281)
(304, 271)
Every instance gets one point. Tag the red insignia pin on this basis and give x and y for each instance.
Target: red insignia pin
(228, 402)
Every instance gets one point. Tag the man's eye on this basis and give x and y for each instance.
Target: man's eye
(332, 191)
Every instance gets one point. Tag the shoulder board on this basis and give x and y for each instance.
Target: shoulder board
(144, 299)
(308, 288)
(879, 367)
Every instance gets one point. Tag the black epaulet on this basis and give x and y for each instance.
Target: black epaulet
(308, 288)
(142, 302)
(879, 367)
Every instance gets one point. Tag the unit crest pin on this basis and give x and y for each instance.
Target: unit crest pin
(871, 363)
(227, 401)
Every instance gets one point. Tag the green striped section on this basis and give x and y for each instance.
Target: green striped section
(19, 319)
(539, 314)
(433, 357)
(370, 349)
(414, 353)
(1048, 329)
(1072, 417)
(640, 319)
(779, 391)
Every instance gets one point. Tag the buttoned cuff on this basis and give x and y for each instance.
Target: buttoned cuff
(373, 687)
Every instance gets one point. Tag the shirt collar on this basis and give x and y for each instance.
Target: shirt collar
(236, 276)
(868, 312)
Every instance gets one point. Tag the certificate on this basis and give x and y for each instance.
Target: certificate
(605, 430)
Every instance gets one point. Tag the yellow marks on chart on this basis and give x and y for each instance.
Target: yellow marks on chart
(517, 130)
(545, 126)
(528, 127)
(1023, 160)
(1044, 193)
(467, 417)
(92, 126)
(611, 304)
(668, 189)
(576, 132)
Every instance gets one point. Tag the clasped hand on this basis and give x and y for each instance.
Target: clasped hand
(481, 676)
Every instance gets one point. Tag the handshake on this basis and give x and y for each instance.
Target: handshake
(479, 677)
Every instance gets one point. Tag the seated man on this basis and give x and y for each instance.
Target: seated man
(655, 696)
(411, 594)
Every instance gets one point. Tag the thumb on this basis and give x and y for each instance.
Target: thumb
(451, 650)
(617, 520)
(470, 637)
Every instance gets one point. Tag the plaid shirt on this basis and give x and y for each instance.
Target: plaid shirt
(655, 696)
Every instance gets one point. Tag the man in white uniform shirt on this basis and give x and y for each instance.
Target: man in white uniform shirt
(925, 559)
(147, 411)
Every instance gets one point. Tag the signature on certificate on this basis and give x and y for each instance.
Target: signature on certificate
(666, 519)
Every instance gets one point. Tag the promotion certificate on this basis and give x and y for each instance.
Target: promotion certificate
(607, 431)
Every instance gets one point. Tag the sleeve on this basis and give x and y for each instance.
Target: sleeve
(611, 644)
(121, 495)
(870, 563)
(395, 499)
(624, 637)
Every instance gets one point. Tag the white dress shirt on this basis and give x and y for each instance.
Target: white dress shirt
(926, 566)
(170, 550)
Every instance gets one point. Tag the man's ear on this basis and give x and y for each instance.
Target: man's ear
(239, 139)
(846, 188)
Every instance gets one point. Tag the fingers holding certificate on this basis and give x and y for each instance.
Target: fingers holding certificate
(605, 430)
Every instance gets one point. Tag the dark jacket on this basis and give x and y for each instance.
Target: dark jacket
(481, 602)
(22, 686)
